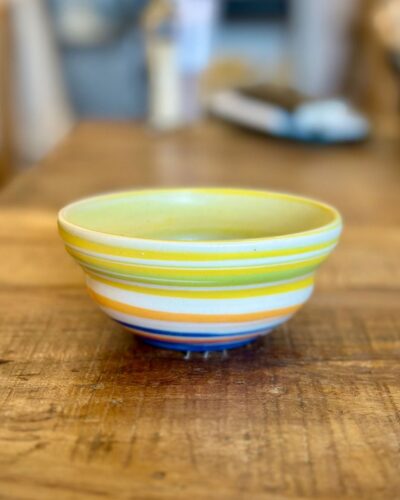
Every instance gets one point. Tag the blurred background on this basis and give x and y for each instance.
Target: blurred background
(308, 70)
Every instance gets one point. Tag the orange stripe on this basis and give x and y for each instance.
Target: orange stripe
(186, 317)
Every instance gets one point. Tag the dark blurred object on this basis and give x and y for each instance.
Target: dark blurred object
(89, 23)
(103, 56)
(288, 114)
(254, 9)
(6, 85)
(109, 81)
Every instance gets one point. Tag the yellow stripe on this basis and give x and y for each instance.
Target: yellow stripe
(186, 317)
(175, 273)
(209, 294)
(84, 244)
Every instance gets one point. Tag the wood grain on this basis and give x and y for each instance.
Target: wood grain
(311, 411)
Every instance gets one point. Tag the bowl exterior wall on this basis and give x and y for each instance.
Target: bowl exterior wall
(200, 297)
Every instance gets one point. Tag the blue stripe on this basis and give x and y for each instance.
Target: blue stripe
(188, 334)
(196, 347)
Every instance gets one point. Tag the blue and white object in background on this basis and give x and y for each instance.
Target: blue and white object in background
(329, 121)
(326, 121)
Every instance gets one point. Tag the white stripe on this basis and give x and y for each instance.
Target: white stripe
(150, 286)
(202, 306)
(208, 263)
(215, 328)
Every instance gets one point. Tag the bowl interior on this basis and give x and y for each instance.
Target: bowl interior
(199, 214)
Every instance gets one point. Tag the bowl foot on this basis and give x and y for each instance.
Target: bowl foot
(197, 348)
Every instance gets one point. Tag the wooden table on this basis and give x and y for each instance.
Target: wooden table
(312, 410)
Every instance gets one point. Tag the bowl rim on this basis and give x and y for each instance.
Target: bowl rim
(336, 223)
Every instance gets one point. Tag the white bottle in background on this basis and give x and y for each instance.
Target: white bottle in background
(195, 20)
(161, 47)
(179, 34)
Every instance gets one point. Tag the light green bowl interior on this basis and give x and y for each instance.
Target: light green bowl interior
(199, 214)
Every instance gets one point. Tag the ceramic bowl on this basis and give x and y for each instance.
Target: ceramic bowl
(199, 269)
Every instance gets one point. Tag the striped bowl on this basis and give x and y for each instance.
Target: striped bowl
(199, 269)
